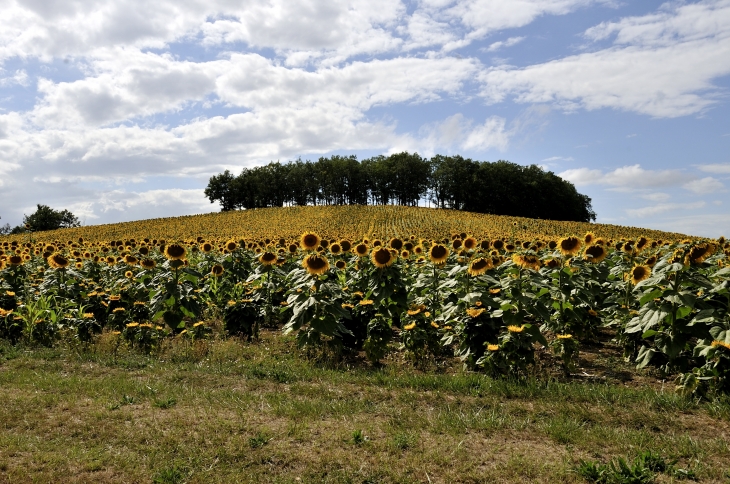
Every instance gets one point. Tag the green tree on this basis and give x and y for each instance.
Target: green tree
(46, 218)
(221, 188)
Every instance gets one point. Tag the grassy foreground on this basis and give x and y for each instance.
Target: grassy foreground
(228, 411)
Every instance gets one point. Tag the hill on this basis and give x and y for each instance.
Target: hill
(351, 221)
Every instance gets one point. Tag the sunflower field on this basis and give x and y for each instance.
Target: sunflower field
(491, 291)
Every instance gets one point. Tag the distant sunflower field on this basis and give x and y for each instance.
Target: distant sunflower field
(489, 290)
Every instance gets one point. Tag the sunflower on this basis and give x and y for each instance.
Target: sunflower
(409, 327)
(595, 254)
(700, 252)
(564, 336)
(267, 258)
(206, 247)
(382, 257)
(131, 260)
(217, 270)
(316, 264)
(475, 312)
(57, 261)
(509, 247)
(552, 245)
(396, 243)
(175, 252)
(569, 245)
(438, 254)
(340, 264)
(498, 244)
(527, 261)
(640, 273)
(15, 260)
(515, 329)
(129, 274)
(651, 261)
(470, 243)
(456, 244)
(589, 238)
(362, 249)
(485, 244)
(231, 245)
(293, 248)
(491, 347)
(641, 244)
(479, 266)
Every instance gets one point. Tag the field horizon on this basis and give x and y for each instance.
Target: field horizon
(359, 220)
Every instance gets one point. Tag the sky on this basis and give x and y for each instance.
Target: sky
(123, 109)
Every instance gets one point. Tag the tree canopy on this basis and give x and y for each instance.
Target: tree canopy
(46, 218)
(454, 182)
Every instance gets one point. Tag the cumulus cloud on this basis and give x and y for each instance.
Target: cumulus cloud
(717, 168)
(633, 176)
(662, 65)
(504, 43)
(704, 185)
(663, 208)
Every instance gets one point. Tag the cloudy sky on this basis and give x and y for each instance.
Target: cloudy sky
(122, 109)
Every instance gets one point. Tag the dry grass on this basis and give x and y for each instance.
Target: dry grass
(237, 412)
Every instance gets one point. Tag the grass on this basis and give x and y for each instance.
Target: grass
(241, 412)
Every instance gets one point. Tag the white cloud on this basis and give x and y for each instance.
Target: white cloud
(704, 185)
(506, 43)
(663, 208)
(633, 176)
(19, 77)
(661, 65)
(656, 196)
(558, 158)
(717, 168)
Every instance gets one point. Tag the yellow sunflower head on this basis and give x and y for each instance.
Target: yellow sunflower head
(316, 264)
(527, 261)
(396, 243)
(175, 252)
(217, 270)
(479, 266)
(382, 258)
(569, 245)
(640, 273)
(309, 241)
(438, 254)
(57, 261)
(595, 253)
(362, 249)
(470, 243)
(267, 258)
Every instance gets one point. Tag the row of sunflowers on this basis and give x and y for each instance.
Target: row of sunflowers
(490, 301)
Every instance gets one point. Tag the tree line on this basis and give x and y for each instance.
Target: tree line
(44, 218)
(452, 182)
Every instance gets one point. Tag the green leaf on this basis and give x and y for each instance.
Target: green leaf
(644, 356)
(683, 311)
(650, 296)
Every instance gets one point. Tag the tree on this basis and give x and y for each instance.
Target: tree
(220, 188)
(46, 218)
(5, 229)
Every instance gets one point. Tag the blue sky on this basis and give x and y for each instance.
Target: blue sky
(122, 109)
